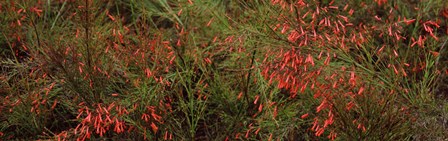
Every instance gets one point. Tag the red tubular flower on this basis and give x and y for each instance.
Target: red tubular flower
(154, 127)
(322, 105)
(304, 116)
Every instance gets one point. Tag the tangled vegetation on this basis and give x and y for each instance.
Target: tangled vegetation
(223, 70)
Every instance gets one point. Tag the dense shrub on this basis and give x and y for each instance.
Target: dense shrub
(223, 70)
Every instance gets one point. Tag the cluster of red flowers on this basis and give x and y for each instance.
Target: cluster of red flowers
(316, 33)
(313, 30)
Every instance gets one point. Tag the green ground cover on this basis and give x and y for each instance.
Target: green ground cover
(223, 70)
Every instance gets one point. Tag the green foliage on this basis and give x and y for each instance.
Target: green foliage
(223, 70)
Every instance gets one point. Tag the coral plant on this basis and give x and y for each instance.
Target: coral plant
(223, 70)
